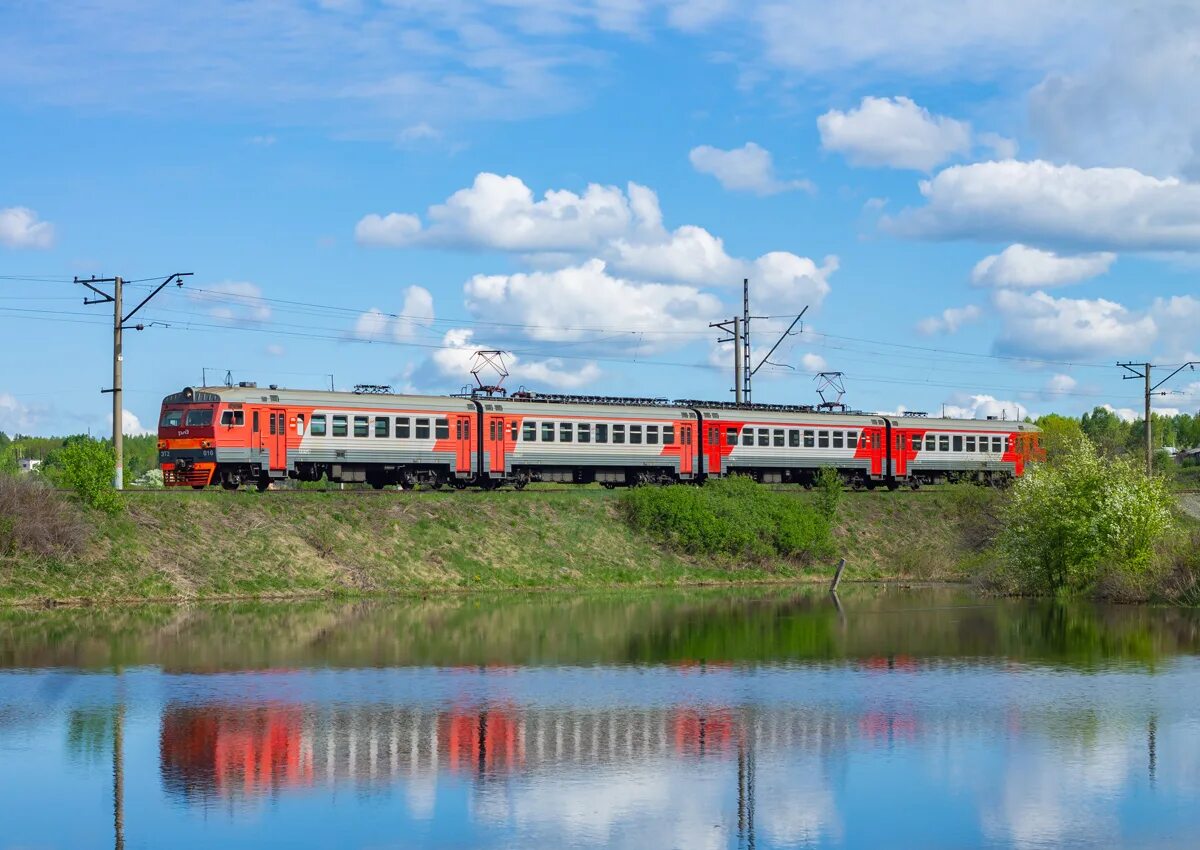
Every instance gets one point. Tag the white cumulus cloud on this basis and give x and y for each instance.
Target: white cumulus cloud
(745, 169)
(893, 132)
(1059, 384)
(500, 213)
(982, 405)
(949, 320)
(1040, 325)
(1041, 203)
(569, 304)
(17, 417)
(1022, 267)
(20, 227)
(416, 312)
(131, 426)
(454, 359)
(622, 230)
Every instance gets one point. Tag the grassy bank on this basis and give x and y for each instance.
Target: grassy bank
(186, 546)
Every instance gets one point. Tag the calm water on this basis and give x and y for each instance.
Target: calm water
(909, 718)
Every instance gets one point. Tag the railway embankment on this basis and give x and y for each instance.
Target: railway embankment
(211, 545)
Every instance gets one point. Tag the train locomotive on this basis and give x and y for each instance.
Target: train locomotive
(244, 435)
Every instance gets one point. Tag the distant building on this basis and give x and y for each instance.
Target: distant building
(29, 464)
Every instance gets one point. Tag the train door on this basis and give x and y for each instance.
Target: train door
(495, 444)
(276, 439)
(686, 448)
(899, 449)
(462, 444)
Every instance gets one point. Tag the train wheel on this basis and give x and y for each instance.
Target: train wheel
(197, 486)
(231, 483)
(893, 485)
(264, 481)
(914, 484)
(870, 483)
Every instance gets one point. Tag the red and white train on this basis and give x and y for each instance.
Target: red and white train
(246, 435)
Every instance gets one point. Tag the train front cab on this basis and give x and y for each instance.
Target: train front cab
(187, 438)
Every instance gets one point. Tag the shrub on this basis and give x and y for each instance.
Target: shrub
(1070, 524)
(829, 492)
(731, 516)
(88, 467)
(36, 520)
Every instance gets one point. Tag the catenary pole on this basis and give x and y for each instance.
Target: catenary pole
(1143, 371)
(119, 325)
(118, 430)
(737, 359)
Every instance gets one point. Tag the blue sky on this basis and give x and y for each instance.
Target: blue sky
(982, 209)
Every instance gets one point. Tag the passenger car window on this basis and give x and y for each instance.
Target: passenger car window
(601, 432)
(747, 436)
(668, 435)
(764, 436)
(547, 432)
(635, 434)
(838, 436)
(403, 427)
(583, 431)
(794, 438)
(731, 436)
(958, 442)
(809, 440)
(382, 426)
(566, 432)
(822, 439)
(930, 442)
(317, 426)
(361, 426)
(652, 435)
(777, 437)
(529, 431)
(441, 429)
(997, 444)
(970, 444)
(422, 429)
(618, 433)
(943, 443)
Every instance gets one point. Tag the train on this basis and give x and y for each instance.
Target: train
(243, 435)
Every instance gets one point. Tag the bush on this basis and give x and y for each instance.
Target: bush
(36, 520)
(88, 468)
(829, 492)
(731, 516)
(1085, 519)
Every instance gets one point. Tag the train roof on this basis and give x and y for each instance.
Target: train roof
(312, 398)
(940, 423)
(534, 403)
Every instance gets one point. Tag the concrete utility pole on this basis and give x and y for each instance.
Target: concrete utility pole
(1143, 371)
(736, 331)
(119, 320)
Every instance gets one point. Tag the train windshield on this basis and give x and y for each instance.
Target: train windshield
(200, 416)
(171, 419)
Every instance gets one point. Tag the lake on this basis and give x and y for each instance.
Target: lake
(751, 718)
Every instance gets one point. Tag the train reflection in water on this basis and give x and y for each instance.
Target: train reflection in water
(235, 751)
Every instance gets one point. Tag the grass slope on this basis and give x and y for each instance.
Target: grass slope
(207, 545)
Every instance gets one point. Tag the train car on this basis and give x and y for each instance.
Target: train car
(574, 439)
(779, 444)
(244, 434)
(930, 451)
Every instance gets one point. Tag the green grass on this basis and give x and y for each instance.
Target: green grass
(190, 546)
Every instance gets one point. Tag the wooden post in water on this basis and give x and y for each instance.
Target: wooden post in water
(837, 576)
